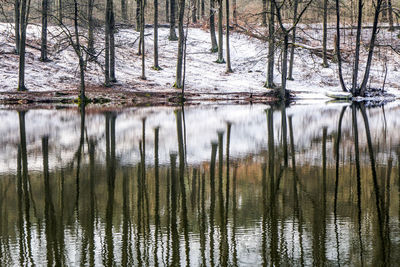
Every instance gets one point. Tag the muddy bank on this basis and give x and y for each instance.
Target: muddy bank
(120, 98)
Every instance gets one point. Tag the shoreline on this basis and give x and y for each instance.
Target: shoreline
(119, 98)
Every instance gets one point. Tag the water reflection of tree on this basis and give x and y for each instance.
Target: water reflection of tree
(295, 199)
(25, 186)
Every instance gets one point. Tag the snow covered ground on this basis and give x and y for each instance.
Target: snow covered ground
(311, 81)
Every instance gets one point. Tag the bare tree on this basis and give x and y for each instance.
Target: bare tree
(271, 47)
(91, 49)
(60, 11)
(214, 45)
(43, 48)
(264, 12)
(194, 12)
(220, 59)
(109, 44)
(156, 66)
(228, 51)
(291, 60)
(234, 11)
(167, 11)
(142, 41)
(181, 40)
(124, 10)
(23, 23)
(390, 11)
(172, 33)
(285, 45)
(325, 35)
(16, 25)
(355, 89)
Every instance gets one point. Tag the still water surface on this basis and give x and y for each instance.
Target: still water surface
(201, 186)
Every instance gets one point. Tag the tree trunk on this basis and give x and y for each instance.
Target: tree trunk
(371, 48)
(338, 53)
(203, 8)
(43, 47)
(198, 9)
(214, 45)
(354, 88)
(178, 82)
(172, 33)
(384, 10)
(124, 12)
(156, 66)
(390, 7)
(228, 53)
(138, 15)
(284, 65)
(291, 61)
(112, 43)
(234, 5)
(325, 35)
(194, 11)
(220, 34)
(79, 53)
(167, 10)
(23, 21)
(264, 12)
(271, 47)
(16, 23)
(142, 25)
(91, 29)
(107, 45)
(60, 12)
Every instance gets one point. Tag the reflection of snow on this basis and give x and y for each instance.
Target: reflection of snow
(248, 135)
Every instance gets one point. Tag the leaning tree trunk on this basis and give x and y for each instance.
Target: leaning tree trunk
(285, 48)
(363, 86)
(181, 40)
(220, 35)
(338, 53)
(325, 35)
(16, 24)
(43, 47)
(291, 60)
(172, 33)
(23, 21)
(271, 47)
(156, 66)
(228, 51)
(214, 45)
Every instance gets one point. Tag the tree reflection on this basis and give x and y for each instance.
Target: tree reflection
(316, 196)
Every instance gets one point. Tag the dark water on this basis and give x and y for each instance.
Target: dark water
(204, 186)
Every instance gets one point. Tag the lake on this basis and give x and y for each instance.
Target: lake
(229, 185)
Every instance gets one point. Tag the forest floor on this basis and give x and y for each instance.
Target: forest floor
(57, 81)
